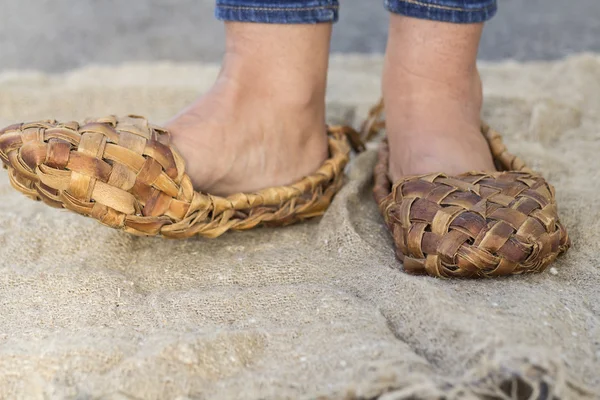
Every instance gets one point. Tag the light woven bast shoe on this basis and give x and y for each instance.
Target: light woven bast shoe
(477, 224)
(124, 173)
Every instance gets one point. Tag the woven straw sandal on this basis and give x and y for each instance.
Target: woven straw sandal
(474, 225)
(124, 173)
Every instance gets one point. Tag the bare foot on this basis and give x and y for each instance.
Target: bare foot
(433, 97)
(234, 144)
(263, 122)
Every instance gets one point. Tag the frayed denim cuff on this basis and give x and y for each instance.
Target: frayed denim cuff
(278, 12)
(455, 11)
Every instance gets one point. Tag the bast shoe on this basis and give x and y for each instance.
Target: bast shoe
(125, 173)
(473, 225)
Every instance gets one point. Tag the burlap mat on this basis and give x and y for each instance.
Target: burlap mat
(319, 309)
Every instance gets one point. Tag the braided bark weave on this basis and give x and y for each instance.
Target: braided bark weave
(477, 224)
(124, 173)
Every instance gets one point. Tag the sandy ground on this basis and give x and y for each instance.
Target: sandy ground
(317, 309)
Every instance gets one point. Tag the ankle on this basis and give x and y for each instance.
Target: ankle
(281, 64)
(271, 91)
(433, 62)
(420, 81)
(414, 97)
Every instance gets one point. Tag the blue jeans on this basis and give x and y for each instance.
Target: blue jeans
(314, 11)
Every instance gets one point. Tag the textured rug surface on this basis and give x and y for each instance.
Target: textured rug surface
(318, 309)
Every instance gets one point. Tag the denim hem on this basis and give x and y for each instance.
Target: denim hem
(327, 12)
(440, 12)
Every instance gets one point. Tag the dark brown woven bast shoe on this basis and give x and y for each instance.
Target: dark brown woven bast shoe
(124, 173)
(477, 224)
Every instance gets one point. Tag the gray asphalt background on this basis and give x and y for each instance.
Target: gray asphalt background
(57, 35)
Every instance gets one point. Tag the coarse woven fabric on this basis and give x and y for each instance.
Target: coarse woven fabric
(317, 309)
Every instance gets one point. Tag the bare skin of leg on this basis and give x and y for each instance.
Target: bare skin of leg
(433, 97)
(263, 122)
